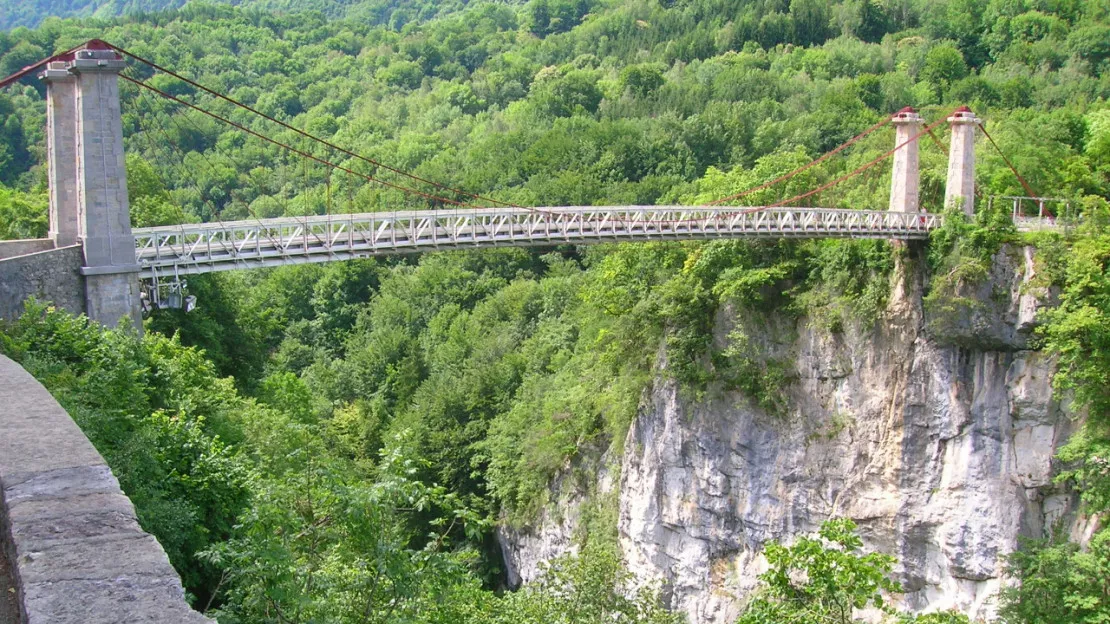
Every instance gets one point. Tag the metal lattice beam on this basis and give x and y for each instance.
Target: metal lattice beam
(208, 247)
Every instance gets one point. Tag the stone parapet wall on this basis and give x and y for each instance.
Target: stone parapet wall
(12, 248)
(52, 275)
(77, 551)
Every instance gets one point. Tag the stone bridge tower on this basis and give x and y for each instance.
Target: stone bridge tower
(88, 182)
(959, 192)
(905, 175)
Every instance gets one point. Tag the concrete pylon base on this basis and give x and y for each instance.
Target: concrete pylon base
(113, 297)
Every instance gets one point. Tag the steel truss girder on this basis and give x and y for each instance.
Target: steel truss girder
(208, 247)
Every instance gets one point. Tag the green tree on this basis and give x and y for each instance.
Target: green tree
(873, 20)
(944, 65)
(825, 579)
(21, 55)
(585, 589)
(811, 21)
(539, 14)
(160, 417)
(641, 79)
(1060, 583)
(14, 157)
(820, 579)
(565, 93)
(22, 215)
(150, 201)
(322, 544)
(1091, 42)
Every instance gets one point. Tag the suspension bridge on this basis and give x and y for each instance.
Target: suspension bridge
(89, 208)
(185, 250)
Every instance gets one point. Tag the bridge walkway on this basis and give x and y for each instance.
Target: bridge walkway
(171, 251)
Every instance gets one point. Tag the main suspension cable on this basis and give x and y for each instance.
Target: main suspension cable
(436, 198)
(865, 167)
(290, 148)
(811, 164)
(330, 144)
(1024, 184)
(32, 67)
(263, 229)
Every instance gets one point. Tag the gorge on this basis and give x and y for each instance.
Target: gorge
(583, 430)
(940, 447)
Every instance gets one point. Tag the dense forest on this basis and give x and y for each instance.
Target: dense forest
(336, 442)
(17, 13)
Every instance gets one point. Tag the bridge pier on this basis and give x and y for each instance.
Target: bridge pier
(959, 192)
(88, 180)
(905, 175)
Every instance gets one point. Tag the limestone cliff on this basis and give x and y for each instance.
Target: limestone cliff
(939, 447)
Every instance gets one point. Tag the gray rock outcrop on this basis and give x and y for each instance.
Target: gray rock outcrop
(940, 449)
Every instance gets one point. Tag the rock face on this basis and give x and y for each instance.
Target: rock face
(559, 529)
(941, 453)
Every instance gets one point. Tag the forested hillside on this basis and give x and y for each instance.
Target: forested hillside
(565, 103)
(17, 13)
(14, 13)
(334, 443)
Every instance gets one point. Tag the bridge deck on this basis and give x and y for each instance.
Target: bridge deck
(203, 248)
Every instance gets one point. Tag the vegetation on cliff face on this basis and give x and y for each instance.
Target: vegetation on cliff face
(316, 442)
(825, 578)
(1062, 582)
(264, 516)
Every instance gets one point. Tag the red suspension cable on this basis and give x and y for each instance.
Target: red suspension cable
(290, 148)
(943, 148)
(30, 68)
(211, 204)
(347, 152)
(860, 170)
(429, 196)
(827, 185)
(813, 163)
(1024, 184)
(343, 150)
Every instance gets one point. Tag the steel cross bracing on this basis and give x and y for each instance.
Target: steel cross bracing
(202, 248)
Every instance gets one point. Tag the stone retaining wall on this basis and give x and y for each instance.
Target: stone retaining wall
(52, 275)
(77, 551)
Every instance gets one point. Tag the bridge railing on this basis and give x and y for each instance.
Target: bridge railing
(1038, 213)
(199, 248)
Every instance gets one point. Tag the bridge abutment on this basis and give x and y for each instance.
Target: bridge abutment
(959, 192)
(88, 180)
